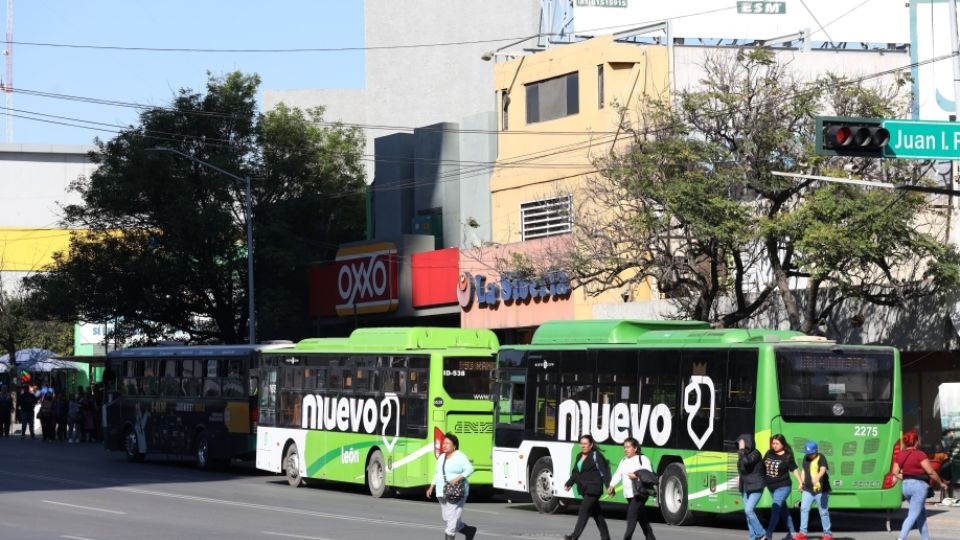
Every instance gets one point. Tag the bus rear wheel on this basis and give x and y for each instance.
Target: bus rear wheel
(674, 495)
(131, 447)
(291, 467)
(541, 487)
(377, 476)
(204, 461)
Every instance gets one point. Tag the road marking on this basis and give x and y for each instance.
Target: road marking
(77, 506)
(76, 537)
(285, 535)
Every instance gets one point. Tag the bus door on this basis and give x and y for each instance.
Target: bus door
(112, 416)
(468, 380)
(700, 429)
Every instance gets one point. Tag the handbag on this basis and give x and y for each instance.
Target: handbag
(453, 493)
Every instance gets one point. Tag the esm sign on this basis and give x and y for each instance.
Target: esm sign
(366, 279)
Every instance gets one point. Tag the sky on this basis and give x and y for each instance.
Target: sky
(154, 77)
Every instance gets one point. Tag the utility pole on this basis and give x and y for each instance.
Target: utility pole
(8, 82)
(954, 222)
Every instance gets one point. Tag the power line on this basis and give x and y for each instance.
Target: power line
(397, 46)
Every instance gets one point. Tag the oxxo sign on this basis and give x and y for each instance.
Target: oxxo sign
(511, 289)
(367, 279)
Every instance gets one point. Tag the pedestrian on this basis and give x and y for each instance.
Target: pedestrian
(913, 468)
(450, 481)
(87, 410)
(628, 471)
(46, 416)
(814, 486)
(779, 463)
(6, 410)
(751, 483)
(61, 412)
(25, 405)
(590, 473)
(74, 420)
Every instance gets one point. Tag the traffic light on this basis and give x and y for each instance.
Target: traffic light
(848, 136)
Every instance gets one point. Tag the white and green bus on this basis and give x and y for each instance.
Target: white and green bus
(686, 392)
(372, 408)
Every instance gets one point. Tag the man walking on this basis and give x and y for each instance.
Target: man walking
(815, 486)
(25, 405)
(6, 410)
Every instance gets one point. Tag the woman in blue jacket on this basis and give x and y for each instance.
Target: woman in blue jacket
(453, 467)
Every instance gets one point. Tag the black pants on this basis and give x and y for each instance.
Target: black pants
(4, 425)
(590, 507)
(637, 513)
(47, 426)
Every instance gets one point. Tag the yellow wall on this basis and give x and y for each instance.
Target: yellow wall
(561, 150)
(28, 250)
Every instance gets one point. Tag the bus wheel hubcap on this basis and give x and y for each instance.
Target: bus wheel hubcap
(376, 476)
(202, 453)
(293, 466)
(131, 443)
(544, 486)
(674, 496)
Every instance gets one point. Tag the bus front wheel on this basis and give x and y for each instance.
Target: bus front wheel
(541, 487)
(377, 476)
(131, 447)
(291, 467)
(674, 495)
(204, 461)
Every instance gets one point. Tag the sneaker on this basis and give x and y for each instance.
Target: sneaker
(800, 536)
(827, 537)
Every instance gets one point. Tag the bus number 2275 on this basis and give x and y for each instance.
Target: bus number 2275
(865, 431)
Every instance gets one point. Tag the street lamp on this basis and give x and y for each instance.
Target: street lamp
(248, 215)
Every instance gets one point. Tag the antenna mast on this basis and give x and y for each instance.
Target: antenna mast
(7, 85)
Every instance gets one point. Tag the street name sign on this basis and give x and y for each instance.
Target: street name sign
(920, 139)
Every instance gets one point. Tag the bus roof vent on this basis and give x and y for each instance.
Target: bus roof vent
(803, 338)
(612, 331)
(420, 337)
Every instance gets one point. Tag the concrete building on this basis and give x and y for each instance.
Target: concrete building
(35, 182)
(410, 87)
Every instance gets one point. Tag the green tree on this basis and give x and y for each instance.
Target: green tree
(162, 246)
(691, 206)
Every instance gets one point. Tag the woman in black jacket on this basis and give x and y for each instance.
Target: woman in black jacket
(591, 474)
(750, 466)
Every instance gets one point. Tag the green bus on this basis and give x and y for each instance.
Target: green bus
(686, 392)
(372, 408)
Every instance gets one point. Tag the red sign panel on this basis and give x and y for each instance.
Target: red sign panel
(434, 275)
(362, 280)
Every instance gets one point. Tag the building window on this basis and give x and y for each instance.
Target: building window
(504, 109)
(553, 98)
(547, 217)
(600, 86)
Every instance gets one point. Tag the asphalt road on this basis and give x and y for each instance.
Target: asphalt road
(82, 492)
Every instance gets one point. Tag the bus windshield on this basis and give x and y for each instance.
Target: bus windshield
(468, 377)
(839, 384)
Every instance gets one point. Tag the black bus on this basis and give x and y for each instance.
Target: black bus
(198, 401)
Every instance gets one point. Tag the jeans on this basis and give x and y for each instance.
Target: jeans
(590, 507)
(915, 492)
(806, 501)
(779, 510)
(637, 513)
(754, 527)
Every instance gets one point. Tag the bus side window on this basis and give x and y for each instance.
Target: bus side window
(191, 378)
(170, 383)
(150, 384)
(211, 380)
